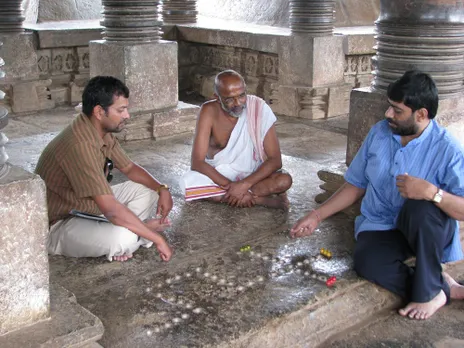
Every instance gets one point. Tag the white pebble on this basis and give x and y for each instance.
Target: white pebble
(185, 316)
(306, 273)
(299, 264)
(172, 299)
(258, 254)
(314, 275)
(198, 269)
(265, 257)
(168, 281)
(298, 271)
(188, 306)
(273, 274)
(230, 284)
(240, 288)
(188, 274)
(306, 261)
(214, 278)
(222, 281)
(159, 285)
(149, 333)
(252, 253)
(180, 302)
(156, 329)
(176, 320)
(159, 295)
(167, 325)
(206, 274)
(148, 289)
(177, 277)
(250, 284)
(197, 310)
(322, 278)
(260, 279)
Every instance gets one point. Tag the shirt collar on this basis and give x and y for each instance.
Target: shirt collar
(425, 134)
(102, 142)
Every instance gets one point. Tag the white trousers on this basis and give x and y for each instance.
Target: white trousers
(79, 237)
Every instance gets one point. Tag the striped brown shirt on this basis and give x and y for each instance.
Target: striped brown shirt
(72, 168)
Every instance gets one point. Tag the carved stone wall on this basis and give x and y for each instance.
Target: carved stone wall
(358, 70)
(198, 64)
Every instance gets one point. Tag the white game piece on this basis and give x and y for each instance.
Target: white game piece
(197, 310)
(156, 329)
(176, 320)
(167, 325)
(172, 299)
(189, 306)
(147, 289)
(177, 277)
(230, 284)
(188, 274)
(168, 281)
(198, 269)
(258, 254)
(314, 275)
(252, 253)
(206, 274)
(159, 295)
(250, 284)
(214, 278)
(222, 281)
(306, 273)
(273, 274)
(299, 264)
(240, 288)
(180, 302)
(185, 316)
(265, 257)
(260, 279)
(306, 261)
(298, 271)
(149, 333)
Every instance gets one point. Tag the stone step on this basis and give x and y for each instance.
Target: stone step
(70, 325)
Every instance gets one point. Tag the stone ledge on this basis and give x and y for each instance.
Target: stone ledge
(70, 325)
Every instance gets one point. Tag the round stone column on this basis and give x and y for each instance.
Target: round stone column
(3, 123)
(425, 35)
(134, 21)
(11, 16)
(315, 17)
(180, 11)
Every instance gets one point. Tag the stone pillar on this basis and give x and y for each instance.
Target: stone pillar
(11, 16)
(25, 91)
(133, 52)
(3, 122)
(179, 11)
(426, 35)
(312, 17)
(311, 64)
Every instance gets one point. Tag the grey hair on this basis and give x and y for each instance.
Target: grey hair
(226, 73)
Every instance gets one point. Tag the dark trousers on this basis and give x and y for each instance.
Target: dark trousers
(423, 230)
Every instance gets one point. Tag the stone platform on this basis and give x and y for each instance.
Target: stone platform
(211, 294)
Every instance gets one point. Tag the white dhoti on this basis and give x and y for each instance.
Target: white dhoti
(241, 157)
(80, 237)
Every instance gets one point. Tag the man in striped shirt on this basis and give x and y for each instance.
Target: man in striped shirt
(76, 167)
(411, 174)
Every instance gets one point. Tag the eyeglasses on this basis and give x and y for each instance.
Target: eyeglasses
(237, 99)
(107, 169)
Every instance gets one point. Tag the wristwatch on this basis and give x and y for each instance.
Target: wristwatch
(438, 196)
(162, 186)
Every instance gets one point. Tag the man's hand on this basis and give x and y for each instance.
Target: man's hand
(247, 201)
(164, 204)
(235, 192)
(305, 226)
(415, 188)
(164, 250)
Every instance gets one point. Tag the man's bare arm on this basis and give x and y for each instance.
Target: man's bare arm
(119, 215)
(139, 175)
(201, 145)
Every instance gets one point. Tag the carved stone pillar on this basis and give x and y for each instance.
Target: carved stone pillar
(3, 122)
(427, 35)
(180, 11)
(11, 16)
(315, 17)
(131, 20)
(133, 52)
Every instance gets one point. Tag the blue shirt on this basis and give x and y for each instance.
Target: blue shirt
(434, 156)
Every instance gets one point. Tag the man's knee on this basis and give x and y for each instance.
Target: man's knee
(419, 212)
(364, 264)
(283, 182)
(122, 239)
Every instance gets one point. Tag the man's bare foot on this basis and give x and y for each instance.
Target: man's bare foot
(122, 258)
(422, 311)
(456, 289)
(156, 225)
(278, 202)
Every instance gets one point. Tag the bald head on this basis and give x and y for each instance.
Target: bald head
(226, 78)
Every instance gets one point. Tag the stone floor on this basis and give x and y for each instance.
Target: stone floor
(211, 293)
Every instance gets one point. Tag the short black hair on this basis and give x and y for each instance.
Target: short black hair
(101, 90)
(416, 90)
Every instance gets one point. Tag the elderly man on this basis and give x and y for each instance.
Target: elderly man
(410, 172)
(76, 167)
(236, 155)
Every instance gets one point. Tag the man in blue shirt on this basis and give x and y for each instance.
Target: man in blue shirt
(411, 174)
